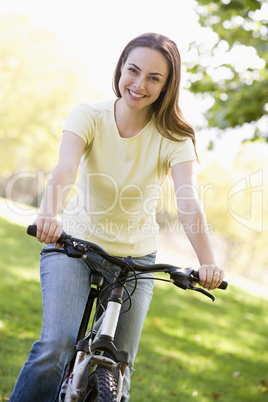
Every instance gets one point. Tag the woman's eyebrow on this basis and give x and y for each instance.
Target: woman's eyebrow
(138, 68)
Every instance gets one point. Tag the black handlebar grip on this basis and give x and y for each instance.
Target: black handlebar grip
(223, 285)
(32, 229)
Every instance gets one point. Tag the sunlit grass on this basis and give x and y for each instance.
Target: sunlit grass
(20, 301)
(191, 348)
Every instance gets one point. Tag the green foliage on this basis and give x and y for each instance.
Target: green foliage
(190, 348)
(240, 92)
(39, 79)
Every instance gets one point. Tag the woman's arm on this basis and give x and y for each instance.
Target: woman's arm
(193, 219)
(58, 187)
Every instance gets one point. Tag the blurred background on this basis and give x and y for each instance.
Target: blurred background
(57, 54)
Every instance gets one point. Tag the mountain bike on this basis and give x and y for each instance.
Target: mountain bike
(97, 370)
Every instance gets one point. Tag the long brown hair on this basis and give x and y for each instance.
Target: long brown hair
(169, 117)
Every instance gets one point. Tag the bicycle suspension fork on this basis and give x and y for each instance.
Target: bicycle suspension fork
(118, 360)
(105, 343)
(110, 321)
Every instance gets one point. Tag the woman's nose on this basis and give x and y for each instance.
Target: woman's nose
(139, 83)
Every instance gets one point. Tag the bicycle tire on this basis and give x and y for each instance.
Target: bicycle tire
(102, 386)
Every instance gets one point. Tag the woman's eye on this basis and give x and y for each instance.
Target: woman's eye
(132, 70)
(156, 79)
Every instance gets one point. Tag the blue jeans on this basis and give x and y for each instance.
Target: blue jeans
(65, 287)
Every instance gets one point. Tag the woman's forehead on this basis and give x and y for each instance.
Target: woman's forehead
(150, 59)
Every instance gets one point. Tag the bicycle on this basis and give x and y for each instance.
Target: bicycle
(96, 372)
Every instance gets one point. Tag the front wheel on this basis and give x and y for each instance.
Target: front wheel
(102, 386)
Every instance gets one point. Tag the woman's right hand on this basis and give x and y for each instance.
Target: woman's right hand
(49, 229)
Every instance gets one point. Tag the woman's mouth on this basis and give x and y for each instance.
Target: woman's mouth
(135, 95)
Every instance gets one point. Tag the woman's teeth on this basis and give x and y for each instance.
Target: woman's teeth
(136, 95)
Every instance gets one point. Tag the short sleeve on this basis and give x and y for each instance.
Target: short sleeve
(81, 121)
(179, 151)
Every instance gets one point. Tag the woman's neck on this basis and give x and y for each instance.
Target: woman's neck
(130, 122)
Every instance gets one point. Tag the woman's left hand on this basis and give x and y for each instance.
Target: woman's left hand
(210, 276)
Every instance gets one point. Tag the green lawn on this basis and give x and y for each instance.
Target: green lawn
(191, 348)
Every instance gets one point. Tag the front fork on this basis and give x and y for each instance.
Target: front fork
(88, 360)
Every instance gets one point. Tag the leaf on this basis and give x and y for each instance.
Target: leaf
(263, 386)
(263, 389)
(171, 393)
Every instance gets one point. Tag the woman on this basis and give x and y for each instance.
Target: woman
(125, 148)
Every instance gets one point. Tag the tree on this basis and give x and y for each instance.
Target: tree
(240, 91)
(39, 78)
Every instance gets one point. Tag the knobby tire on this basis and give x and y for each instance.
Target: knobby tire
(102, 386)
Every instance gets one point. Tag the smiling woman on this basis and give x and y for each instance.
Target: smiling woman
(143, 78)
(165, 67)
(125, 148)
(145, 70)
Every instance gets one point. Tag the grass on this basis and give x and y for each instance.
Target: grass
(191, 349)
(20, 301)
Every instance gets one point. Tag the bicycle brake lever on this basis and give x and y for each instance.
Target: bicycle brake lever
(183, 278)
(203, 291)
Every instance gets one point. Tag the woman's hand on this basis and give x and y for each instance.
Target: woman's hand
(210, 276)
(49, 229)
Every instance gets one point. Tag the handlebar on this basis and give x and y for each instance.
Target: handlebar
(181, 277)
(32, 229)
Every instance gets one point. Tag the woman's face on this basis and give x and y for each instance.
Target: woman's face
(143, 77)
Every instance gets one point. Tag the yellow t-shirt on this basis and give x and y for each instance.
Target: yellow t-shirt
(120, 181)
